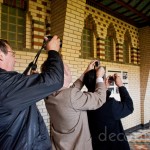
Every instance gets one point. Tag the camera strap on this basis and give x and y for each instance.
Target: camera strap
(33, 65)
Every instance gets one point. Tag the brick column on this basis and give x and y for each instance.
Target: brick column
(39, 12)
(37, 34)
(144, 36)
(100, 48)
(138, 56)
(119, 52)
(68, 23)
(134, 55)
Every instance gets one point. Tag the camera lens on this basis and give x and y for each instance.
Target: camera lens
(111, 78)
(97, 63)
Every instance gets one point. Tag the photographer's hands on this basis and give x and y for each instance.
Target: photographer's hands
(53, 44)
(90, 66)
(100, 71)
(115, 78)
(118, 80)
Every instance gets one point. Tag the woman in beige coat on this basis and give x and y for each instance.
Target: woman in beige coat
(67, 109)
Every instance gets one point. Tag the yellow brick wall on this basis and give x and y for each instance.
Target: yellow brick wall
(145, 73)
(38, 16)
(72, 46)
(103, 20)
(67, 20)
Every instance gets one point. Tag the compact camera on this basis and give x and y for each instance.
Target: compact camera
(49, 38)
(111, 78)
(97, 63)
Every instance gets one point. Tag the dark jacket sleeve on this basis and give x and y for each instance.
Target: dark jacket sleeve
(108, 93)
(124, 107)
(20, 91)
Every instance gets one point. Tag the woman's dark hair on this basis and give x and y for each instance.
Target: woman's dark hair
(3, 46)
(89, 80)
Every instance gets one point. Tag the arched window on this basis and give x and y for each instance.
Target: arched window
(127, 48)
(13, 22)
(110, 44)
(87, 43)
(109, 48)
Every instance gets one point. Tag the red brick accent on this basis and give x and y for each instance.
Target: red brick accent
(37, 36)
(38, 15)
(37, 43)
(119, 57)
(48, 11)
(39, 8)
(100, 44)
(44, 3)
(99, 54)
(87, 8)
(38, 29)
(118, 53)
(34, 0)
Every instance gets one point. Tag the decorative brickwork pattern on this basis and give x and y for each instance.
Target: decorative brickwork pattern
(40, 13)
(67, 19)
(101, 48)
(89, 26)
(38, 34)
(134, 55)
(138, 56)
(105, 23)
(144, 34)
(119, 53)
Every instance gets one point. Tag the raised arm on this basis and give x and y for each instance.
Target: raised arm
(90, 100)
(79, 82)
(125, 107)
(22, 91)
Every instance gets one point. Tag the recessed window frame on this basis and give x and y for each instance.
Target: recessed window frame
(13, 25)
(87, 43)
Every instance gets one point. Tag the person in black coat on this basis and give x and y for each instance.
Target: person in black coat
(21, 124)
(105, 125)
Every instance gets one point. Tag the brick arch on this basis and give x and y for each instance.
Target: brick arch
(112, 32)
(127, 37)
(90, 23)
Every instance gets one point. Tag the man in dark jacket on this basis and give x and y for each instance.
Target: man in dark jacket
(21, 124)
(105, 125)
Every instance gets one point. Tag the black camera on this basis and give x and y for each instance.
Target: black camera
(111, 78)
(49, 38)
(97, 63)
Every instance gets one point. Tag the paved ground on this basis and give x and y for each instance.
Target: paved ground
(139, 140)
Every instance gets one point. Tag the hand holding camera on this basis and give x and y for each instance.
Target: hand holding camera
(52, 43)
(115, 78)
(118, 80)
(100, 71)
(97, 64)
(90, 66)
